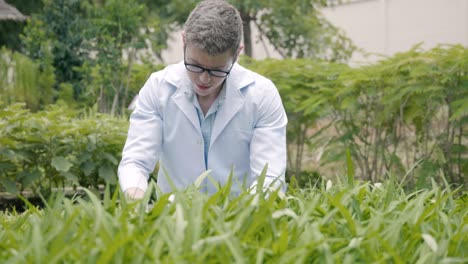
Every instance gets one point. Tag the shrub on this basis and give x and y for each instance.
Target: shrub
(58, 147)
(405, 115)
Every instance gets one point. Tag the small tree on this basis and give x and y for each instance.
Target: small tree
(116, 33)
(60, 28)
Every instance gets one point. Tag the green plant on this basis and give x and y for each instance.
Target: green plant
(305, 87)
(58, 148)
(403, 115)
(25, 80)
(353, 224)
(57, 33)
(399, 112)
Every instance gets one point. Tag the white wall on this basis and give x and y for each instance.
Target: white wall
(390, 26)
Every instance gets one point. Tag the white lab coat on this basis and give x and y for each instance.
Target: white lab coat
(249, 132)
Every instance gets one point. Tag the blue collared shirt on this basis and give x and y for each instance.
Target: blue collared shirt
(207, 121)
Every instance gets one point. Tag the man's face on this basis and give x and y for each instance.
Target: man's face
(207, 84)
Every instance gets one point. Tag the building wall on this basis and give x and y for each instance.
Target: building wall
(390, 26)
(381, 27)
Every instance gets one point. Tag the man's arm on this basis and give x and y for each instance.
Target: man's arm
(134, 193)
(268, 144)
(143, 144)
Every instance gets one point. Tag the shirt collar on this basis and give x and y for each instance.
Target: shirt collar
(216, 104)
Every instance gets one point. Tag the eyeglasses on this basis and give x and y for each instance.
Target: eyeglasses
(200, 69)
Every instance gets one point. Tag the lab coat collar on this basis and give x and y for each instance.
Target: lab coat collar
(233, 101)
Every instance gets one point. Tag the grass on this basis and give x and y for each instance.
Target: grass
(358, 223)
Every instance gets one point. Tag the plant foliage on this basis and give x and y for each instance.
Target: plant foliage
(344, 224)
(57, 148)
(405, 114)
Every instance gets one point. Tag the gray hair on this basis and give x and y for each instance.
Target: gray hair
(215, 27)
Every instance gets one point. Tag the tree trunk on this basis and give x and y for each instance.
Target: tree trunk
(101, 100)
(131, 56)
(115, 102)
(246, 19)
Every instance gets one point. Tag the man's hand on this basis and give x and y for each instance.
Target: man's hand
(134, 193)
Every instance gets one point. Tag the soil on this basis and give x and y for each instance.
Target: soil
(10, 202)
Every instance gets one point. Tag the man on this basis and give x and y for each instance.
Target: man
(206, 113)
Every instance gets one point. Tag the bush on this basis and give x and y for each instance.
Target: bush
(58, 147)
(405, 115)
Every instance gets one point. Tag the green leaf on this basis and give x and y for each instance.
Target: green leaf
(87, 168)
(110, 158)
(107, 173)
(28, 177)
(350, 166)
(460, 109)
(61, 164)
(6, 166)
(70, 176)
(9, 185)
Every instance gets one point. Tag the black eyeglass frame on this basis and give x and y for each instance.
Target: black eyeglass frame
(199, 69)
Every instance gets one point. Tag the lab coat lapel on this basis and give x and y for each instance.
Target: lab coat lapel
(183, 98)
(238, 78)
(233, 101)
(231, 105)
